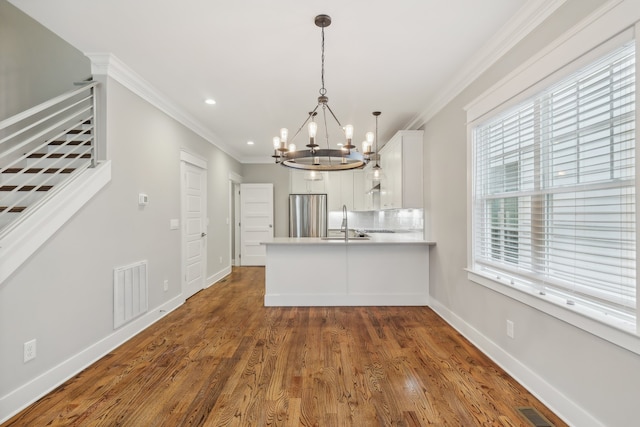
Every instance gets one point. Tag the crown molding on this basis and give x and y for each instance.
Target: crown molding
(109, 65)
(532, 14)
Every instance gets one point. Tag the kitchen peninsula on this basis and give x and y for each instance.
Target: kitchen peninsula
(384, 269)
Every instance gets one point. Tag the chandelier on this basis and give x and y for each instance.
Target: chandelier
(315, 158)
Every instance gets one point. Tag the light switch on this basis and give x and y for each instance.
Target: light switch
(143, 199)
(174, 224)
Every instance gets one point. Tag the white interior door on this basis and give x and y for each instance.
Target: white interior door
(194, 228)
(256, 223)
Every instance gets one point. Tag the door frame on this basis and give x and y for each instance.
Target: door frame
(234, 213)
(199, 162)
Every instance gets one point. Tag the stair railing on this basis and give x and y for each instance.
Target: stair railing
(43, 148)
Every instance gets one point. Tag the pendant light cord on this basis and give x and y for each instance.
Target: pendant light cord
(323, 91)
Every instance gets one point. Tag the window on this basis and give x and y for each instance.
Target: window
(553, 199)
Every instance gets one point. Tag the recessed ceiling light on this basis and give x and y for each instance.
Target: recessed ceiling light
(210, 101)
(249, 142)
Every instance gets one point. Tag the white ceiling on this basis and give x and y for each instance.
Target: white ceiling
(260, 60)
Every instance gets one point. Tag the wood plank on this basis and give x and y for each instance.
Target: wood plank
(223, 359)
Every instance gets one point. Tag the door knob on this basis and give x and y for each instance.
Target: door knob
(203, 234)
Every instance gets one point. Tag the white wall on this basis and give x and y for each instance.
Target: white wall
(580, 376)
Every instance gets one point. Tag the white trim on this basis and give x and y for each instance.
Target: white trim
(237, 178)
(218, 276)
(605, 23)
(553, 398)
(606, 26)
(353, 299)
(575, 315)
(194, 159)
(20, 398)
(108, 64)
(532, 14)
(26, 237)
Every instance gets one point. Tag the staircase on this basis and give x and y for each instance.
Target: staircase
(45, 147)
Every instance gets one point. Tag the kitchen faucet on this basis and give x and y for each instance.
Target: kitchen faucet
(345, 224)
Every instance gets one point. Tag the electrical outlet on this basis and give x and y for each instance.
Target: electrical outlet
(220, 260)
(29, 350)
(510, 328)
(166, 285)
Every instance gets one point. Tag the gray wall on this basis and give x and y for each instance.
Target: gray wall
(35, 64)
(279, 176)
(598, 376)
(63, 295)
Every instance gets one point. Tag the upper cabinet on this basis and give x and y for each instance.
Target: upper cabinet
(401, 161)
(340, 190)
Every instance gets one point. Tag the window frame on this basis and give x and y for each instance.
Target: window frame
(606, 29)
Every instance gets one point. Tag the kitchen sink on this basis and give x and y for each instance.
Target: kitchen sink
(333, 234)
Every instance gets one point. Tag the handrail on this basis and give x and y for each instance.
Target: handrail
(44, 148)
(41, 107)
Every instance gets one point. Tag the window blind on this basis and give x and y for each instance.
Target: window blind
(554, 189)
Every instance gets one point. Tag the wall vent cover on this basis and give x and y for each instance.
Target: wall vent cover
(535, 418)
(130, 292)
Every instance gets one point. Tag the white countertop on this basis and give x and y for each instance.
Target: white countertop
(374, 239)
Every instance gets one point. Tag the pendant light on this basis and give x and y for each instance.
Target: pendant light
(375, 174)
(315, 158)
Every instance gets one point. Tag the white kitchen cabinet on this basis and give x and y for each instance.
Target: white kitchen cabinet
(359, 196)
(340, 190)
(401, 161)
(300, 184)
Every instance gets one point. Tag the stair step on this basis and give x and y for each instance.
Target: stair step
(75, 142)
(78, 131)
(38, 170)
(26, 187)
(22, 196)
(59, 156)
(15, 209)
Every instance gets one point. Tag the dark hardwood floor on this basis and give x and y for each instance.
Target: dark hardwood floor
(224, 359)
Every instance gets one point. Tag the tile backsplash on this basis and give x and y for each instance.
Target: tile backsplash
(389, 219)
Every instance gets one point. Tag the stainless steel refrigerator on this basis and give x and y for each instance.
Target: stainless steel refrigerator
(308, 215)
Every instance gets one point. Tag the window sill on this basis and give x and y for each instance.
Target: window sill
(616, 332)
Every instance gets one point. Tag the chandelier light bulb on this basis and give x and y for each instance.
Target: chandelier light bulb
(284, 133)
(348, 132)
(292, 147)
(276, 142)
(313, 129)
(369, 137)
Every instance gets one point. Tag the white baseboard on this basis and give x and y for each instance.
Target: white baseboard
(216, 277)
(28, 393)
(565, 408)
(328, 300)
